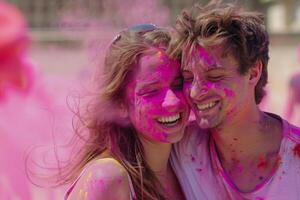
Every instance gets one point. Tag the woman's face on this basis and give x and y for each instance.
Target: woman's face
(156, 104)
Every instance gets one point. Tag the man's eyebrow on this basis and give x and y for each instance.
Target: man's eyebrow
(215, 68)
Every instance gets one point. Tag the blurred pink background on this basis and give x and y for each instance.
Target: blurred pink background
(67, 42)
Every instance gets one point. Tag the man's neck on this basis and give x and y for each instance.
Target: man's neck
(248, 149)
(248, 137)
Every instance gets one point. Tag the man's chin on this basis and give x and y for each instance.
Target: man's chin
(203, 123)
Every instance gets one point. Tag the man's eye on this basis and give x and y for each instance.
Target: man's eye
(215, 78)
(188, 77)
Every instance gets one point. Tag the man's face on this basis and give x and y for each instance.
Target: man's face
(216, 91)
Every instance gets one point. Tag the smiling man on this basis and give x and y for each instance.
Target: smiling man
(239, 151)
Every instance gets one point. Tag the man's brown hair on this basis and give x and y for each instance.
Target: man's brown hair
(243, 34)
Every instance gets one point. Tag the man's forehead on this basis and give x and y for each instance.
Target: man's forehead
(200, 56)
(208, 58)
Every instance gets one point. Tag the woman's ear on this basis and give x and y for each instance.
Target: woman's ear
(255, 72)
(123, 110)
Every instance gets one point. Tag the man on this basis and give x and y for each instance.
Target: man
(239, 152)
(293, 97)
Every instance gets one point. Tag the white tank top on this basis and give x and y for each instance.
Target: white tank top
(132, 193)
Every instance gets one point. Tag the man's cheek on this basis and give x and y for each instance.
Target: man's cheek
(187, 89)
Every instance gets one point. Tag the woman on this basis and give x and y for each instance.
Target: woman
(132, 122)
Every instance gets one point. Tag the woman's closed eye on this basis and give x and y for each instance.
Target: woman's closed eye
(148, 91)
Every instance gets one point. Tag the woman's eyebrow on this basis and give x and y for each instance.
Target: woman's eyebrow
(146, 84)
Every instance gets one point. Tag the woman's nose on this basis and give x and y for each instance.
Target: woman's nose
(170, 99)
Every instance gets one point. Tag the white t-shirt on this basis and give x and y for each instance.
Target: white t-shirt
(202, 177)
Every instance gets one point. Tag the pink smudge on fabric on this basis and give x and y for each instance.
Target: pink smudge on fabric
(199, 170)
(259, 198)
(296, 150)
(193, 158)
(262, 162)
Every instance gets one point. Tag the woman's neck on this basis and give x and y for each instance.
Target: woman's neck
(157, 155)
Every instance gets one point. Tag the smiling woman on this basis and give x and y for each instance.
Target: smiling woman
(156, 89)
(137, 113)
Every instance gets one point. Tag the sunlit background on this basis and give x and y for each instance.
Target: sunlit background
(60, 30)
(69, 37)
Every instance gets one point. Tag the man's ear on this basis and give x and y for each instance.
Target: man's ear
(255, 72)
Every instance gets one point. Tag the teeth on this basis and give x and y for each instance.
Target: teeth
(169, 119)
(206, 106)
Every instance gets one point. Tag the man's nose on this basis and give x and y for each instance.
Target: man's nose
(198, 89)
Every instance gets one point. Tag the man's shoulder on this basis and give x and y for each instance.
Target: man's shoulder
(290, 131)
(294, 133)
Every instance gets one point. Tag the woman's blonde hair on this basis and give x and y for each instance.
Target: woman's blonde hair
(101, 124)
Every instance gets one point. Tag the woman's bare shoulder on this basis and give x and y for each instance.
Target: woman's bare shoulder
(103, 178)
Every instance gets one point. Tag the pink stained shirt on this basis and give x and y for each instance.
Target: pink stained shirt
(201, 176)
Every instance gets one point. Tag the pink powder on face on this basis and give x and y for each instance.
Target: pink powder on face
(229, 93)
(155, 92)
(212, 76)
(210, 85)
(296, 150)
(170, 99)
(206, 57)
